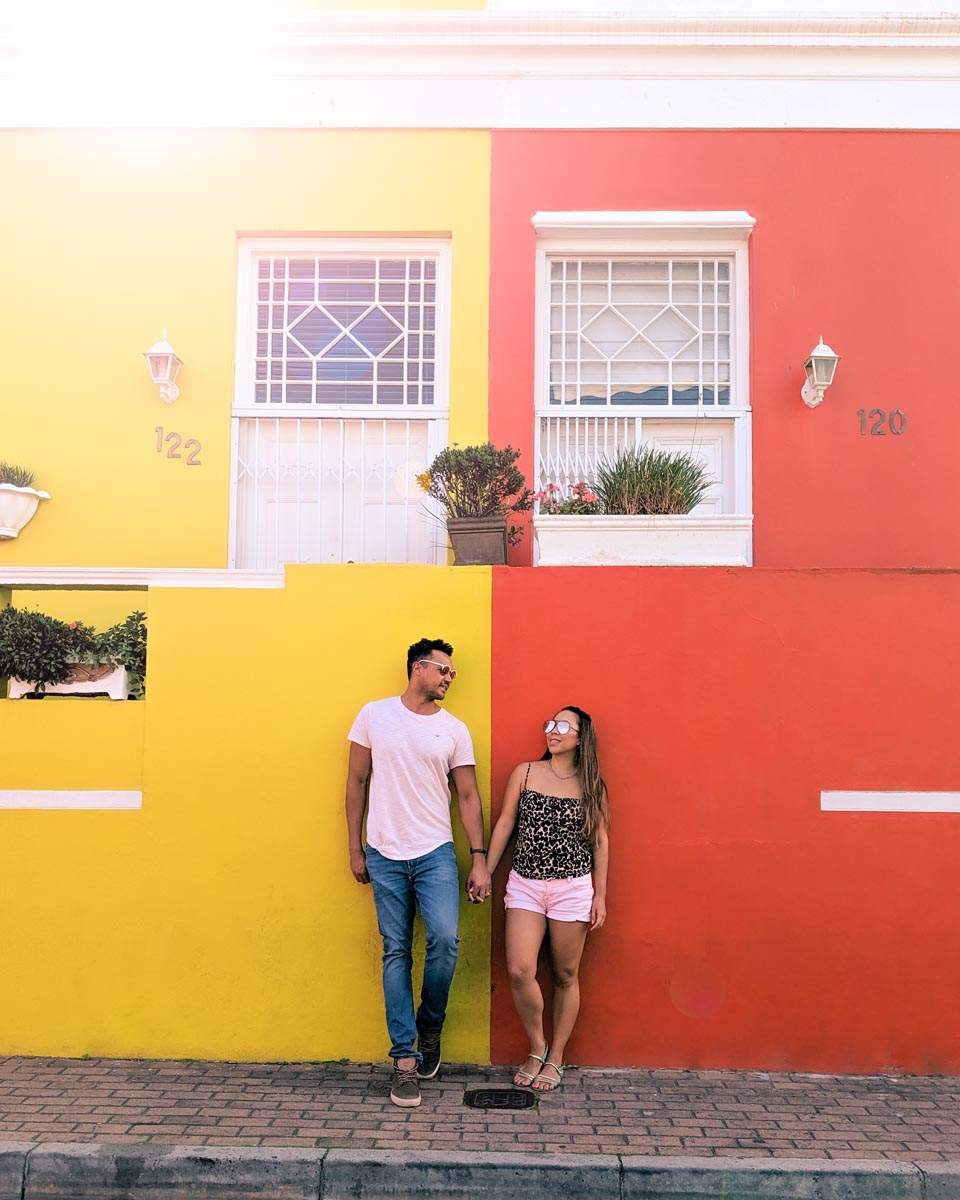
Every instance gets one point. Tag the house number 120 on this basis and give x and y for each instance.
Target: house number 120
(173, 442)
(876, 422)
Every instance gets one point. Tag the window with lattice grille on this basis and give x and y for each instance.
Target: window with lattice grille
(642, 338)
(341, 399)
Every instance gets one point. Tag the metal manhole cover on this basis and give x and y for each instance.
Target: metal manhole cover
(511, 1098)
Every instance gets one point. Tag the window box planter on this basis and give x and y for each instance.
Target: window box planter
(85, 680)
(17, 506)
(674, 541)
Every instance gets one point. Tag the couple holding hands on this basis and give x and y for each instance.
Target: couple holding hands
(408, 749)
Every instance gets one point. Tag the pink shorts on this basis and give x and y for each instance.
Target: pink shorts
(557, 899)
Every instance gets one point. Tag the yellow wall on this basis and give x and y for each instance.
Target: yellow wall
(109, 237)
(221, 920)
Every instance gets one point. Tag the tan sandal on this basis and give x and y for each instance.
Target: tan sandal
(539, 1059)
(549, 1085)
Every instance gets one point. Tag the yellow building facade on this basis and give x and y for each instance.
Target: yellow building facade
(219, 918)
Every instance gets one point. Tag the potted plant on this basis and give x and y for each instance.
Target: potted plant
(18, 499)
(42, 655)
(478, 488)
(651, 482)
(643, 515)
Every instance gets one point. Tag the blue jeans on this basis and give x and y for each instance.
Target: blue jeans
(432, 884)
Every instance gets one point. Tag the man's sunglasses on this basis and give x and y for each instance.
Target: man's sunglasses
(441, 667)
(561, 727)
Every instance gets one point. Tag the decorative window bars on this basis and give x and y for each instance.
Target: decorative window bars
(641, 349)
(639, 331)
(341, 401)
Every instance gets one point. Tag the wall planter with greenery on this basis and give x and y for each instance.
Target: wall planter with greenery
(638, 512)
(44, 656)
(478, 487)
(18, 499)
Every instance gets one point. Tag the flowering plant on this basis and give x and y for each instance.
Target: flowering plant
(581, 501)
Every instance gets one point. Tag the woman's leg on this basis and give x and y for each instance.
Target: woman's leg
(567, 939)
(525, 932)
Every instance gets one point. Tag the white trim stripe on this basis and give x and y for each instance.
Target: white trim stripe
(138, 577)
(907, 802)
(95, 801)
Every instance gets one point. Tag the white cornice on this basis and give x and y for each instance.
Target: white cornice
(693, 224)
(488, 70)
(389, 31)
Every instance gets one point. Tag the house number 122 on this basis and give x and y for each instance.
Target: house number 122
(173, 442)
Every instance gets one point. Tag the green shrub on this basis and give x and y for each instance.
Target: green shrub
(34, 647)
(125, 644)
(649, 481)
(478, 481)
(40, 649)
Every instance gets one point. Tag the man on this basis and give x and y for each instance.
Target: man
(413, 748)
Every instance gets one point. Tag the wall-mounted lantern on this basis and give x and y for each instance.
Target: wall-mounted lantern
(164, 367)
(820, 368)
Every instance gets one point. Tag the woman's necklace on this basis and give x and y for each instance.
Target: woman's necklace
(557, 773)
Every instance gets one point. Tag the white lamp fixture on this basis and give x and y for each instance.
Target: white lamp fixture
(164, 365)
(820, 367)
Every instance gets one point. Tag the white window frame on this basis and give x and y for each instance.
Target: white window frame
(673, 234)
(249, 251)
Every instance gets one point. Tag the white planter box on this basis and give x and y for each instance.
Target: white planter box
(17, 506)
(687, 541)
(114, 683)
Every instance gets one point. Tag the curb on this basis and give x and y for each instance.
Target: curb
(90, 1171)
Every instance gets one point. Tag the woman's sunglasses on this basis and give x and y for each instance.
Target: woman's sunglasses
(561, 727)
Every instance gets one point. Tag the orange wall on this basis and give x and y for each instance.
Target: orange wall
(746, 928)
(867, 256)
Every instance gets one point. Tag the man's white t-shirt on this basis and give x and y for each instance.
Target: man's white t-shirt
(413, 753)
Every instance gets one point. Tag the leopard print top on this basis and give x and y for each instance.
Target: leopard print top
(550, 842)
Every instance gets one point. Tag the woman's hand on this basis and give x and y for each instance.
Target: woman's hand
(598, 912)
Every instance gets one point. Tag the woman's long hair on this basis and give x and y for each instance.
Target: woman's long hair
(596, 807)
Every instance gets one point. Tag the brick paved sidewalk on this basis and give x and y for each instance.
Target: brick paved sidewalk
(747, 1114)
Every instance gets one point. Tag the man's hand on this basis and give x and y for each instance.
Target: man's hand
(358, 865)
(478, 884)
(358, 772)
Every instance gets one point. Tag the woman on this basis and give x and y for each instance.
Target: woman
(558, 881)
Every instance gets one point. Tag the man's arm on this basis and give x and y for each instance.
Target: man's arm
(358, 772)
(471, 817)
